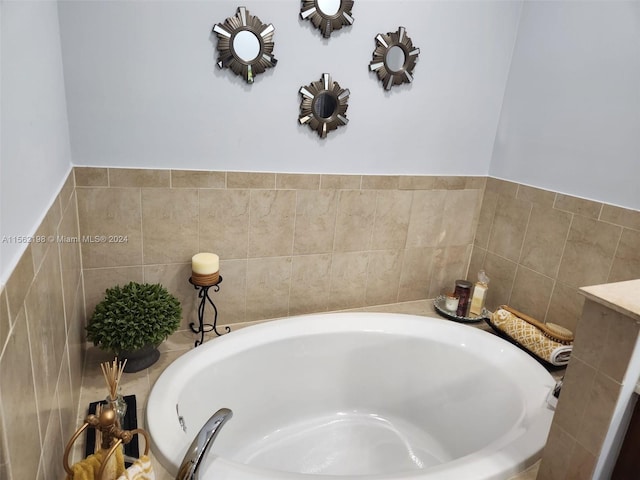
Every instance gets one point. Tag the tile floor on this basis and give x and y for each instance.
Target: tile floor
(140, 383)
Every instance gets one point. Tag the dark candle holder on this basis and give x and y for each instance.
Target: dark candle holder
(203, 295)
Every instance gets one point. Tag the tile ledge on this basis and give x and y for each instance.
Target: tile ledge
(620, 296)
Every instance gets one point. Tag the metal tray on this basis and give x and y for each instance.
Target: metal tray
(439, 305)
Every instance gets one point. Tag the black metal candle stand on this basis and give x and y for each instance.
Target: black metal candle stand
(203, 295)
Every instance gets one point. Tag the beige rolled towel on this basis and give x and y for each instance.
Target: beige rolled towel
(531, 338)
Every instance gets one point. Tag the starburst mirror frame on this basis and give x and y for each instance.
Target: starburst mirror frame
(324, 105)
(391, 69)
(245, 33)
(327, 22)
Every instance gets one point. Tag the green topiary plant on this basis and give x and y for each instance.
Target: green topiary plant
(133, 317)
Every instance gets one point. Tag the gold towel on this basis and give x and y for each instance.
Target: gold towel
(531, 338)
(88, 468)
(140, 470)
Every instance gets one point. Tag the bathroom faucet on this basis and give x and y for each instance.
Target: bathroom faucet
(195, 454)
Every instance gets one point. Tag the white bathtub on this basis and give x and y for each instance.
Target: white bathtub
(380, 396)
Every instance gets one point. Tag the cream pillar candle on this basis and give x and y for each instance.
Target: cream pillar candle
(205, 263)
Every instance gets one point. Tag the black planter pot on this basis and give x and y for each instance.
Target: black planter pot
(140, 359)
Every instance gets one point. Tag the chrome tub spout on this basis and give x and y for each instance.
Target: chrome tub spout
(189, 469)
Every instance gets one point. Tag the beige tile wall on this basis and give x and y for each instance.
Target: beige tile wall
(539, 247)
(41, 347)
(288, 243)
(604, 343)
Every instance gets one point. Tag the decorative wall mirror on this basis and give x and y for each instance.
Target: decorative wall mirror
(324, 105)
(394, 58)
(245, 45)
(327, 15)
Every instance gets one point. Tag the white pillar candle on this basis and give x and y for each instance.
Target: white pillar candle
(205, 263)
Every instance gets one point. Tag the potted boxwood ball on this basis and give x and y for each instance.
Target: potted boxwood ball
(131, 321)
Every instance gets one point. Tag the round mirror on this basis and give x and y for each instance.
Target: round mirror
(246, 45)
(329, 7)
(394, 58)
(327, 15)
(324, 105)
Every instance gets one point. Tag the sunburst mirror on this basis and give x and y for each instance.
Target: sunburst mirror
(394, 58)
(324, 105)
(245, 45)
(327, 15)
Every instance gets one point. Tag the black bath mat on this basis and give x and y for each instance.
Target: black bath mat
(130, 423)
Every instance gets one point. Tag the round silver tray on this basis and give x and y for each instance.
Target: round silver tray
(439, 305)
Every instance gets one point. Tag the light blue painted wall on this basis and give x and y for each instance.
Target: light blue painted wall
(571, 115)
(144, 90)
(35, 149)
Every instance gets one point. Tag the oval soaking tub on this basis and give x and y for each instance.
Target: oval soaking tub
(369, 395)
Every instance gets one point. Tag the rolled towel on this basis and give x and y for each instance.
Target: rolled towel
(561, 355)
(551, 330)
(531, 338)
(140, 470)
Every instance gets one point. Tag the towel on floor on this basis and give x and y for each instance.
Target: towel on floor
(140, 470)
(531, 338)
(88, 468)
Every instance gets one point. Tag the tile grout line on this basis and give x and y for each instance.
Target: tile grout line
(140, 204)
(615, 251)
(518, 262)
(555, 279)
(293, 242)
